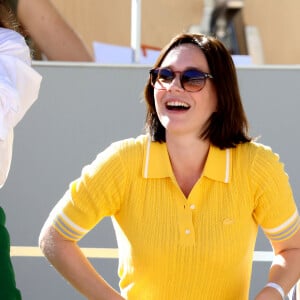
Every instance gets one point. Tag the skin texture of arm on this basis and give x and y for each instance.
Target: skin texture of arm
(285, 269)
(51, 33)
(69, 261)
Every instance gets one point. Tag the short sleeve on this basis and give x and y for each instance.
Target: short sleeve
(19, 82)
(275, 208)
(97, 193)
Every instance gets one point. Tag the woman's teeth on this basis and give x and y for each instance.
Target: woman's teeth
(177, 105)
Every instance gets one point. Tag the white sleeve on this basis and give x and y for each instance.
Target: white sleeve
(19, 88)
(19, 82)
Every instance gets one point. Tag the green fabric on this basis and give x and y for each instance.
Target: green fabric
(8, 290)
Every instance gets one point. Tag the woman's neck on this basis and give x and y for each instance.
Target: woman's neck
(188, 157)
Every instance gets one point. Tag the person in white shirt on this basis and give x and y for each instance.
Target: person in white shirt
(19, 88)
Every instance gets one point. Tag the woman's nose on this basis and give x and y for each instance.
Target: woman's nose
(175, 84)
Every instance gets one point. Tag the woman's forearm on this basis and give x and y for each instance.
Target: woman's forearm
(51, 32)
(285, 271)
(71, 263)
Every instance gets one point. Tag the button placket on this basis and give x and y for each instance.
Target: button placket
(186, 225)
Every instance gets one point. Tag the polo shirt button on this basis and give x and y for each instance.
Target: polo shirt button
(187, 231)
(192, 206)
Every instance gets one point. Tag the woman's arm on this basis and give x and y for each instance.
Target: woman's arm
(69, 261)
(51, 33)
(285, 269)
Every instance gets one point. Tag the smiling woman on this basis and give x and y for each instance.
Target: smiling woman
(193, 185)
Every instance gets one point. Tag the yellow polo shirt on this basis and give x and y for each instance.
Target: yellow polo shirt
(173, 247)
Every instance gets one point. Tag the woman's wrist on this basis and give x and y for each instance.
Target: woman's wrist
(276, 287)
(271, 291)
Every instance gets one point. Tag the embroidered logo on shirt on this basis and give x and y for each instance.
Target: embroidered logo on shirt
(228, 221)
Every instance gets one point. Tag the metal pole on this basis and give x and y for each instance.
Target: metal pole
(136, 30)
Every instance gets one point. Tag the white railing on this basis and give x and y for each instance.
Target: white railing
(111, 253)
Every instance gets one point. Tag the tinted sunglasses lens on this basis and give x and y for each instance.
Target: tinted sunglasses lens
(193, 80)
(160, 78)
(165, 75)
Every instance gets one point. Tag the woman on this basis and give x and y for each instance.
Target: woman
(187, 198)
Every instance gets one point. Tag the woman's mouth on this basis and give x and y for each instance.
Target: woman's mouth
(177, 105)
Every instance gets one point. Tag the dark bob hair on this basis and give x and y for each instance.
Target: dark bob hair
(226, 127)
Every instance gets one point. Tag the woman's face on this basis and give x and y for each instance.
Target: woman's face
(179, 111)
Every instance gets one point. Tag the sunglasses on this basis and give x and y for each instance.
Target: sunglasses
(191, 80)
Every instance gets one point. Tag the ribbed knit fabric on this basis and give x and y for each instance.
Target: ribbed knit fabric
(173, 247)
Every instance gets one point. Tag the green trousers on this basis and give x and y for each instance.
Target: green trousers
(8, 290)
